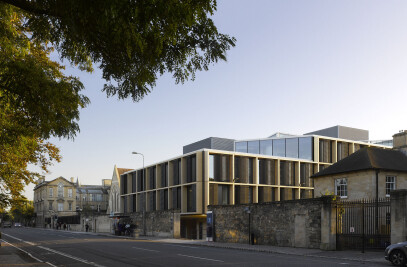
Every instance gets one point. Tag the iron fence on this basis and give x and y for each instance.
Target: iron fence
(363, 224)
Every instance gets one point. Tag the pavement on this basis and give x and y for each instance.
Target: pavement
(11, 255)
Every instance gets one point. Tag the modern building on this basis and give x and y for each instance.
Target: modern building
(262, 170)
(211, 143)
(54, 200)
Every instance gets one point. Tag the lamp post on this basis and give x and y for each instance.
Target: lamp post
(143, 204)
(247, 210)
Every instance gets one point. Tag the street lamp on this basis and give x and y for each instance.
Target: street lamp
(247, 210)
(143, 204)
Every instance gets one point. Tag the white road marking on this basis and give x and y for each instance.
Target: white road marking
(22, 250)
(50, 264)
(199, 258)
(180, 246)
(146, 249)
(54, 251)
(71, 257)
(344, 263)
(13, 237)
(29, 243)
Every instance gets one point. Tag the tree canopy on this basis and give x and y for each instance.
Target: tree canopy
(132, 42)
(37, 101)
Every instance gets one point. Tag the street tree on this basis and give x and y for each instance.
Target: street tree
(132, 42)
(37, 101)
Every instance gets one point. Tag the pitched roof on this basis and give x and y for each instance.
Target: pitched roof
(123, 170)
(369, 158)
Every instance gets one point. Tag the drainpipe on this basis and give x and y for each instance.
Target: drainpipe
(377, 201)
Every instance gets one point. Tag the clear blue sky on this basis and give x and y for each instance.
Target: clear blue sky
(298, 66)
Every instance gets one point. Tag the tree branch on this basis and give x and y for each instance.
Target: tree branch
(30, 6)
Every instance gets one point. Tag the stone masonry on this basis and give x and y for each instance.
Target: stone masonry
(157, 223)
(293, 223)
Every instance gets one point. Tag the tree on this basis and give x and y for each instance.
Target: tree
(22, 210)
(131, 41)
(37, 101)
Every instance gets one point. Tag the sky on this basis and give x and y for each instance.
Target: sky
(298, 66)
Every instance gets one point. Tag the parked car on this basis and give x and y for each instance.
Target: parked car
(17, 224)
(7, 224)
(396, 254)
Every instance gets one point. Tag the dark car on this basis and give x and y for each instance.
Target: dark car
(17, 224)
(396, 253)
(7, 224)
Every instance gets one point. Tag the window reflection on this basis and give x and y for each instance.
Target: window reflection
(266, 147)
(253, 147)
(292, 148)
(241, 147)
(305, 148)
(301, 147)
(279, 147)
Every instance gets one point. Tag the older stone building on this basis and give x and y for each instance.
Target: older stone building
(63, 201)
(54, 199)
(114, 193)
(369, 173)
(93, 198)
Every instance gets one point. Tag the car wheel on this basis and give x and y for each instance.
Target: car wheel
(398, 258)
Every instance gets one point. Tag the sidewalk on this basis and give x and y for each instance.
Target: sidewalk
(12, 256)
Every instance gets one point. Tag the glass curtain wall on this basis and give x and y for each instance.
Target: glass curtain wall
(253, 147)
(241, 147)
(301, 147)
(266, 147)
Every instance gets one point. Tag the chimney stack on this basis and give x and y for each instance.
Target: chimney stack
(72, 180)
(400, 141)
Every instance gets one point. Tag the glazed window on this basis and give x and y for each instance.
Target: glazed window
(390, 184)
(60, 190)
(341, 187)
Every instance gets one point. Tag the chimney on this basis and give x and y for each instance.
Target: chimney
(72, 180)
(400, 141)
(106, 182)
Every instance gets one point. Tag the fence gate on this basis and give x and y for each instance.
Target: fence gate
(362, 224)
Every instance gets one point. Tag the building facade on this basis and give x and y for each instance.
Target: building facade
(114, 193)
(93, 198)
(54, 199)
(62, 201)
(263, 170)
(370, 173)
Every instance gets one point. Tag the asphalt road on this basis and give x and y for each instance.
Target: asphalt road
(60, 248)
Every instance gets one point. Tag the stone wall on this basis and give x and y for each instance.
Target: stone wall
(293, 223)
(398, 205)
(156, 223)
